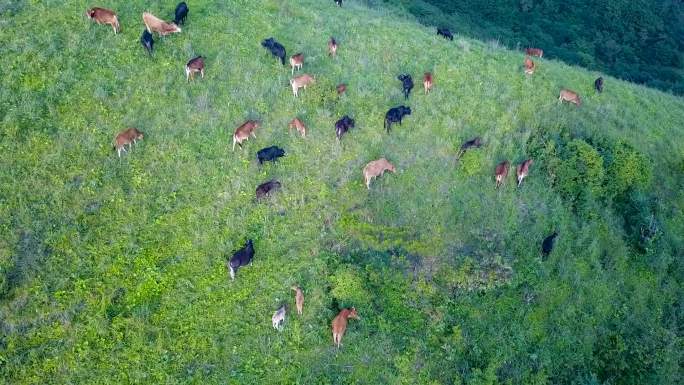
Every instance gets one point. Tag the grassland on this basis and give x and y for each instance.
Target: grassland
(112, 270)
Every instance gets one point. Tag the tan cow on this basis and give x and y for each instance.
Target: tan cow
(332, 47)
(155, 24)
(376, 168)
(339, 324)
(193, 66)
(501, 172)
(296, 61)
(569, 96)
(427, 82)
(301, 81)
(104, 16)
(127, 137)
(534, 52)
(341, 88)
(243, 132)
(299, 299)
(299, 125)
(529, 66)
(523, 170)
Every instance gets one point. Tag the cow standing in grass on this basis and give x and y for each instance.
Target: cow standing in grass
(242, 257)
(570, 97)
(104, 16)
(529, 66)
(181, 13)
(147, 41)
(265, 189)
(501, 172)
(128, 137)
(301, 81)
(534, 52)
(598, 84)
(339, 324)
(523, 170)
(427, 82)
(155, 24)
(446, 33)
(332, 47)
(243, 132)
(376, 168)
(299, 299)
(472, 143)
(299, 125)
(395, 115)
(406, 84)
(296, 62)
(275, 48)
(343, 125)
(194, 65)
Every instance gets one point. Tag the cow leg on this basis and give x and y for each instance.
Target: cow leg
(232, 273)
(202, 73)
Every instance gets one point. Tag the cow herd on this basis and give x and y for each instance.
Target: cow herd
(373, 169)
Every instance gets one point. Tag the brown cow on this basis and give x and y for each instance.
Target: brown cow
(341, 88)
(155, 24)
(194, 65)
(534, 52)
(523, 170)
(529, 66)
(569, 96)
(427, 82)
(301, 81)
(127, 137)
(296, 61)
(299, 125)
(332, 47)
(243, 132)
(104, 16)
(501, 172)
(299, 299)
(339, 324)
(376, 168)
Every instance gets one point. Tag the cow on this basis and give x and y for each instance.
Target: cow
(299, 299)
(446, 33)
(301, 81)
(194, 65)
(275, 48)
(534, 52)
(598, 84)
(395, 115)
(147, 41)
(523, 169)
(181, 13)
(472, 143)
(270, 154)
(264, 189)
(338, 2)
(547, 244)
(243, 132)
(376, 168)
(299, 125)
(407, 84)
(296, 62)
(569, 96)
(127, 137)
(341, 88)
(279, 317)
(529, 66)
(155, 24)
(343, 125)
(339, 324)
(104, 16)
(501, 172)
(427, 82)
(242, 257)
(332, 47)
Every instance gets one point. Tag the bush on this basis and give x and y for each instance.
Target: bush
(580, 175)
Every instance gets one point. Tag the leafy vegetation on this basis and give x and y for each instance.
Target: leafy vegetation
(113, 270)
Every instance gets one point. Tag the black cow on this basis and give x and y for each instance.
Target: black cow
(407, 84)
(181, 13)
(446, 33)
(147, 41)
(276, 48)
(270, 153)
(338, 2)
(472, 143)
(598, 84)
(343, 125)
(242, 257)
(395, 115)
(547, 244)
(265, 188)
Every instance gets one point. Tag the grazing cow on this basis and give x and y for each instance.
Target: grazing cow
(243, 132)
(529, 66)
(242, 257)
(265, 188)
(299, 299)
(407, 84)
(472, 143)
(332, 47)
(104, 16)
(534, 52)
(339, 324)
(155, 24)
(547, 244)
(181, 13)
(299, 125)
(501, 172)
(275, 48)
(395, 115)
(279, 317)
(446, 33)
(296, 62)
(127, 137)
(343, 125)
(598, 84)
(301, 81)
(338, 2)
(427, 82)
(270, 154)
(147, 41)
(376, 168)
(341, 88)
(569, 96)
(523, 170)
(194, 65)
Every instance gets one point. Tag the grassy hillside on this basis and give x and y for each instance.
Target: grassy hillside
(112, 270)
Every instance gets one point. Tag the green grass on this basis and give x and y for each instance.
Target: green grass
(112, 270)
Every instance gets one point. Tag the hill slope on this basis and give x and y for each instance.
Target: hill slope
(113, 269)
